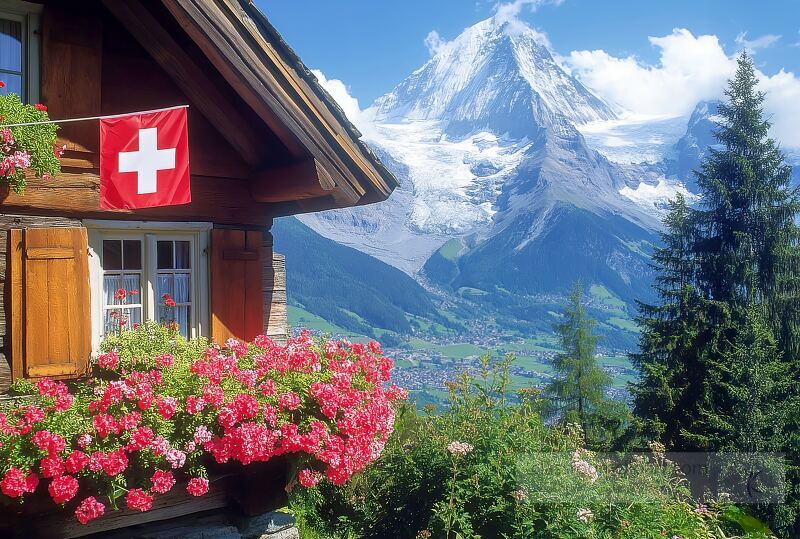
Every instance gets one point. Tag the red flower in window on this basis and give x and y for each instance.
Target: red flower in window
(2, 84)
(133, 292)
(120, 293)
(168, 301)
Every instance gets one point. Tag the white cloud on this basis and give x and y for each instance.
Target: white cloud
(690, 69)
(349, 104)
(782, 105)
(761, 42)
(508, 13)
(434, 42)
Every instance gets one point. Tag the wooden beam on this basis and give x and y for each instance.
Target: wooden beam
(188, 76)
(224, 201)
(306, 179)
(317, 106)
(249, 68)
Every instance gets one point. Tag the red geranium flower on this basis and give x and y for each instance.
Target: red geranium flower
(139, 499)
(63, 489)
(76, 461)
(89, 509)
(198, 486)
(162, 481)
(39, 106)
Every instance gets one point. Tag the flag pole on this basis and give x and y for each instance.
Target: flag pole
(106, 117)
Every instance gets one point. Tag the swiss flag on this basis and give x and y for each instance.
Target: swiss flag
(144, 160)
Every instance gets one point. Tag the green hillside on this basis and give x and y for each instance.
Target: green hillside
(348, 288)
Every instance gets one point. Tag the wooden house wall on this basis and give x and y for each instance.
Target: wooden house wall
(91, 65)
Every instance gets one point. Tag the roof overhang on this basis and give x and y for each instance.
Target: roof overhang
(329, 166)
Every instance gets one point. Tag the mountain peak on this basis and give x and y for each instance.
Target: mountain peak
(497, 76)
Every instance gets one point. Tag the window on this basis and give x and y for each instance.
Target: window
(122, 283)
(150, 271)
(174, 282)
(19, 49)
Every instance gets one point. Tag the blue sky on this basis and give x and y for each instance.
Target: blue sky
(371, 45)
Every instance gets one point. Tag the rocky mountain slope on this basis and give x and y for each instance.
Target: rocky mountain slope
(517, 180)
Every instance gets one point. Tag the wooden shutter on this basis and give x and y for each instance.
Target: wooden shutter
(50, 307)
(237, 297)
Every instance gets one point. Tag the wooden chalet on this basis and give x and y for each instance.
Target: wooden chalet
(265, 140)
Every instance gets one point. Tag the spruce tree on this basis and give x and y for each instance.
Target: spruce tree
(747, 245)
(578, 388)
(719, 355)
(670, 366)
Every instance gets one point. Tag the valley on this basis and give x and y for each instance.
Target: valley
(516, 181)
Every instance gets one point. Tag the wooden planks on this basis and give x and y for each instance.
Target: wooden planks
(188, 76)
(54, 300)
(306, 179)
(77, 195)
(276, 323)
(71, 72)
(14, 303)
(228, 45)
(237, 304)
(176, 503)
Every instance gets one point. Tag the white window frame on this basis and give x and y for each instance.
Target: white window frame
(30, 16)
(149, 232)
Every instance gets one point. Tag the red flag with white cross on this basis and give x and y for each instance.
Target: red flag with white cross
(144, 160)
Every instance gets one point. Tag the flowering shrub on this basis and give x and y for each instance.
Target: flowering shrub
(28, 147)
(160, 407)
(487, 466)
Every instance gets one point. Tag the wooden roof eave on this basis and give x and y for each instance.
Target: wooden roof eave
(285, 101)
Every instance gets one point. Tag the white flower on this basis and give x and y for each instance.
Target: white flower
(585, 515)
(459, 449)
(520, 495)
(586, 470)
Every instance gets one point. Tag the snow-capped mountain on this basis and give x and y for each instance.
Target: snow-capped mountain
(482, 135)
(494, 77)
(516, 179)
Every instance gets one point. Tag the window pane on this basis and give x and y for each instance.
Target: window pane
(182, 255)
(10, 45)
(132, 254)
(116, 319)
(112, 283)
(164, 285)
(112, 255)
(180, 288)
(132, 285)
(115, 285)
(164, 255)
(13, 84)
(182, 318)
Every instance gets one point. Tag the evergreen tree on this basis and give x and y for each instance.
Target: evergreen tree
(719, 354)
(670, 366)
(578, 388)
(747, 245)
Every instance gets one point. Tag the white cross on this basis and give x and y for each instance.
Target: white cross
(147, 161)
